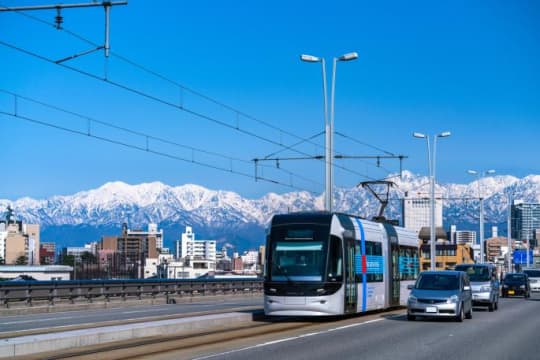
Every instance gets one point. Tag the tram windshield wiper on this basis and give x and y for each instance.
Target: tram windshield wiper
(282, 272)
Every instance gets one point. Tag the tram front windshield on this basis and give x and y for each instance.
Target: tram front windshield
(298, 254)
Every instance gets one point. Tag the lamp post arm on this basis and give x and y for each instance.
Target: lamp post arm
(325, 92)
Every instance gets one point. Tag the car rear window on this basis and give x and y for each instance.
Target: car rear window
(514, 277)
(475, 272)
(532, 273)
(438, 282)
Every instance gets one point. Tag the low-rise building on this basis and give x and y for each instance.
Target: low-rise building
(447, 253)
(188, 246)
(43, 272)
(19, 242)
(47, 253)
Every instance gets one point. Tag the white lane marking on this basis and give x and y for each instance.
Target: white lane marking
(287, 339)
(138, 311)
(36, 320)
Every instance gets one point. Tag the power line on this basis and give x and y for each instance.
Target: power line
(164, 102)
(173, 82)
(148, 150)
(225, 106)
(147, 137)
(364, 143)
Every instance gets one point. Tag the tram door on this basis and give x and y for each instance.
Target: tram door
(393, 264)
(351, 291)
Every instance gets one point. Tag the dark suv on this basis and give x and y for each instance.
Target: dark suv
(516, 284)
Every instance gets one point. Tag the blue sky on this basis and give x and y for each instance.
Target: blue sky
(469, 67)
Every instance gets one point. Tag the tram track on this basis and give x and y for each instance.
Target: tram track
(198, 343)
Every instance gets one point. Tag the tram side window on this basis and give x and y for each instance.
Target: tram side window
(374, 262)
(374, 257)
(335, 260)
(408, 263)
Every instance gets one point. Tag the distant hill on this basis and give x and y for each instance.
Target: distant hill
(229, 218)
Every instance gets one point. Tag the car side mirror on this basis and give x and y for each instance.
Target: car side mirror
(410, 287)
(466, 288)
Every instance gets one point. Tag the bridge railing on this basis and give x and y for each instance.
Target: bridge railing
(94, 290)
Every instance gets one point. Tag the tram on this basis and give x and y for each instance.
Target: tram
(326, 263)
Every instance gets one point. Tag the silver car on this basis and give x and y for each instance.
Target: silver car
(484, 284)
(440, 294)
(534, 278)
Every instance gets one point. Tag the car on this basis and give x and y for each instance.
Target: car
(445, 294)
(516, 284)
(484, 284)
(534, 278)
(23, 278)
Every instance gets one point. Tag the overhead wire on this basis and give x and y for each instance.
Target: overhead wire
(181, 107)
(149, 150)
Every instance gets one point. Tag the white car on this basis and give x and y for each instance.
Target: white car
(534, 278)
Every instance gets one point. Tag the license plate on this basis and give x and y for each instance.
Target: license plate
(511, 292)
(431, 309)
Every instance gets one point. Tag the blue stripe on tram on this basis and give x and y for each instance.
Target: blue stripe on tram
(364, 275)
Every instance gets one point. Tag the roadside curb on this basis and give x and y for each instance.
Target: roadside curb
(34, 344)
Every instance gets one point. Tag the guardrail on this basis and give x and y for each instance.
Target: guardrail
(94, 290)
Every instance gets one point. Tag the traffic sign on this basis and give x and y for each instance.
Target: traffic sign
(520, 257)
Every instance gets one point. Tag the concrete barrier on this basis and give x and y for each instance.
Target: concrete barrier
(34, 344)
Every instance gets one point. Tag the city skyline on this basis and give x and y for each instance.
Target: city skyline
(425, 67)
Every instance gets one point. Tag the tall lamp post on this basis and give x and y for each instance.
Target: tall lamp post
(480, 175)
(509, 233)
(431, 168)
(528, 248)
(329, 122)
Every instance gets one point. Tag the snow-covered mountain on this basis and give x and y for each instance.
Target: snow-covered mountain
(228, 217)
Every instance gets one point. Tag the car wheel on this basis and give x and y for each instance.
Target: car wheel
(461, 314)
(410, 317)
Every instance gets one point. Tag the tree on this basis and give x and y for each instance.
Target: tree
(44, 260)
(22, 260)
(68, 260)
(88, 258)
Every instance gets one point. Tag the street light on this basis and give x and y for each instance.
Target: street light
(480, 175)
(329, 121)
(509, 232)
(431, 168)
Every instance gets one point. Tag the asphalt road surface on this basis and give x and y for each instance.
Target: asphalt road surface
(512, 332)
(93, 317)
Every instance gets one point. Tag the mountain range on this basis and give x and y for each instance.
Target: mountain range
(239, 222)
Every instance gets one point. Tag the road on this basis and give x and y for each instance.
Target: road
(95, 317)
(509, 333)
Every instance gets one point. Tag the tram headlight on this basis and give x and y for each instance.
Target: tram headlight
(453, 299)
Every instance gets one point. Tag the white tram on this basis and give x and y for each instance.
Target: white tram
(322, 263)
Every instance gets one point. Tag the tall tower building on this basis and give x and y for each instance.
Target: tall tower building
(525, 220)
(416, 211)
